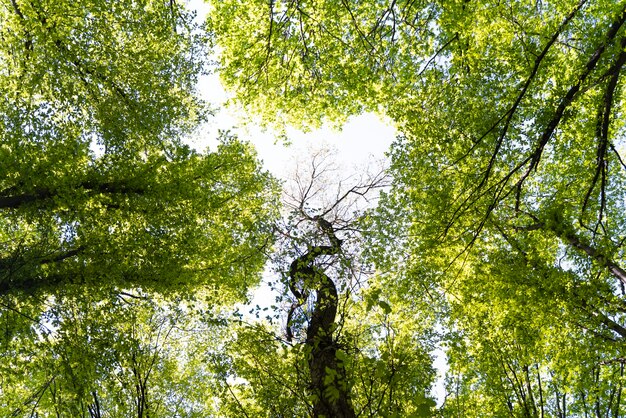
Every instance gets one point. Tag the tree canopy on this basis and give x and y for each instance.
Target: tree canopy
(95, 177)
(498, 239)
(106, 217)
(506, 210)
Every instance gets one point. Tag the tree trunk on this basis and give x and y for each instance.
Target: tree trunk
(327, 374)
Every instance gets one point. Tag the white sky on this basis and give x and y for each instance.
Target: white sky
(363, 138)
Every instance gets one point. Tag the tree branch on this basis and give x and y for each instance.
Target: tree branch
(602, 133)
(569, 97)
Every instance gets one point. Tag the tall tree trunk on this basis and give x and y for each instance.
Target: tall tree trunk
(327, 375)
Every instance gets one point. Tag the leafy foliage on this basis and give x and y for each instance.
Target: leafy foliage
(107, 220)
(506, 212)
(500, 238)
(125, 355)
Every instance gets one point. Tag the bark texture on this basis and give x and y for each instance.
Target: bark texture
(327, 374)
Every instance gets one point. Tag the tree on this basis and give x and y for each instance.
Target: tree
(165, 224)
(303, 62)
(128, 355)
(100, 198)
(95, 179)
(507, 208)
(337, 347)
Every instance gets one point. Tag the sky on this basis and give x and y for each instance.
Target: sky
(362, 139)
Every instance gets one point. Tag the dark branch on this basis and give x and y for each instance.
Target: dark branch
(602, 132)
(319, 335)
(47, 195)
(569, 97)
(575, 241)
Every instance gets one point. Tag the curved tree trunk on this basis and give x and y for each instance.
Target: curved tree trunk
(328, 376)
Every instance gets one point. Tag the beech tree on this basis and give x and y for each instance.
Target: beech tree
(336, 343)
(506, 214)
(101, 199)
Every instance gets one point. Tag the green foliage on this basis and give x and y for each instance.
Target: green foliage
(387, 362)
(121, 73)
(126, 355)
(260, 375)
(165, 224)
(506, 216)
(299, 62)
(109, 226)
(96, 187)
(391, 366)
(503, 229)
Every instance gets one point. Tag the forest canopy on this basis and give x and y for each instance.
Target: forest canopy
(103, 206)
(497, 239)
